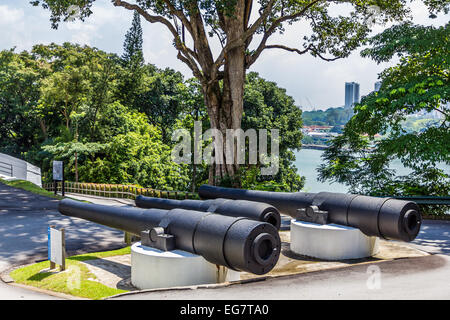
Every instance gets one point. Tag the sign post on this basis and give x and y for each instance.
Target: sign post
(58, 175)
(56, 248)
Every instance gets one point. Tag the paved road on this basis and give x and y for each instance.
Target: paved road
(24, 218)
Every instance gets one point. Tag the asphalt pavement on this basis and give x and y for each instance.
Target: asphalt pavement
(24, 219)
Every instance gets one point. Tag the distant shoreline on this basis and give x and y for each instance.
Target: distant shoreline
(314, 146)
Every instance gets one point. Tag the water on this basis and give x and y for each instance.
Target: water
(307, 161)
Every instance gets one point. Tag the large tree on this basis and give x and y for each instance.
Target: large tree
(132, 46)
(131, 83)
(266, 106)
(244, 37)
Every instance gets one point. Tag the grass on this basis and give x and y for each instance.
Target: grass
(76, 280)
(31, 187)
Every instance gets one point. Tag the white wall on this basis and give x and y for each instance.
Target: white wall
(20, 169)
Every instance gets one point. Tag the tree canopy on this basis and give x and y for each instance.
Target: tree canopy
(66, 102)
(418, 84)
(244, 29)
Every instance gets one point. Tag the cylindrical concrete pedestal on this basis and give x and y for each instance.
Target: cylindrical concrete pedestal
(152, 268)
(331, 241)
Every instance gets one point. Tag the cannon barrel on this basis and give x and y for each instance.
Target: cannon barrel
(237, 243)
(234, 208)
(382, 217)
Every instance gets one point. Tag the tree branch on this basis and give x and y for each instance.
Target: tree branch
(241, 41)
(314, 51)
(180, 15)
(185, 54)
(273, 26)
(278, 46)
(150, 18)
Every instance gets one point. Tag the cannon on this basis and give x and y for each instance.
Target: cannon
(381, 217)
(234, 208)
(235, 242)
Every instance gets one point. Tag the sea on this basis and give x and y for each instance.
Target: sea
(308, 160)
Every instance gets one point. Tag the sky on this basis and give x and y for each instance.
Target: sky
(312, 82)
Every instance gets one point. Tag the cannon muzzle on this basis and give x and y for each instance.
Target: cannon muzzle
(382, 217)
(234, 208)
(237, 243)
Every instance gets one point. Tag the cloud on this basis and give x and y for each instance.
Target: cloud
(10, 15)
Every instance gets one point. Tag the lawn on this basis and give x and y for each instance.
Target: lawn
(76, 280)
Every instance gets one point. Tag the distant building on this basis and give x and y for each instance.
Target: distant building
(351, 94)
(377, 85)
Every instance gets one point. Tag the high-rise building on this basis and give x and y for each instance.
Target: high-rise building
(377, 85)
(351, 94)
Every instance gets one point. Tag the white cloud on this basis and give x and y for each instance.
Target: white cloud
(10, 15)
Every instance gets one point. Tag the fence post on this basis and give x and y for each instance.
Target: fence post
(127, 238)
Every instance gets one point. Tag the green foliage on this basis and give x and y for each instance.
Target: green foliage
(20, 81)
(133, 55)
(80, 79)
(63, 102)
(328, 37)
(136, 156)
(132, 78)
(160, 99)
(330, 34)
(418, 83)
(267, 106)
(330, 117)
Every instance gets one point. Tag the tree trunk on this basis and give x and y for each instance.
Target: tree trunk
(225, 107)
(225, 103)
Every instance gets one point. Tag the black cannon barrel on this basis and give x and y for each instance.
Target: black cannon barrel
(237, 243)
(382, 217)
(234, 208)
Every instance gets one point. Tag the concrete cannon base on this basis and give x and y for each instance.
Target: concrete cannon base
(152, 268)
(331, 241)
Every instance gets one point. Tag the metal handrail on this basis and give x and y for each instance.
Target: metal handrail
(429, 200)
(129, 191)
(118, 190)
